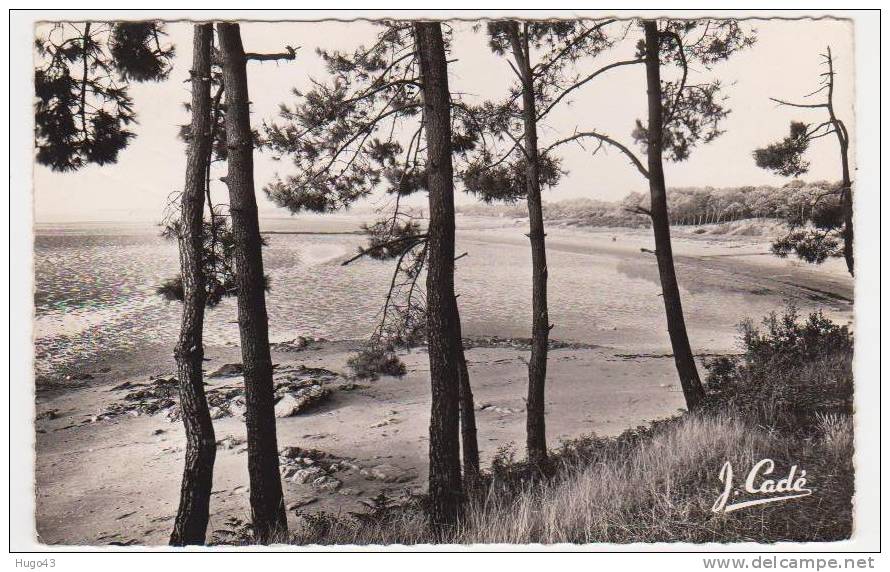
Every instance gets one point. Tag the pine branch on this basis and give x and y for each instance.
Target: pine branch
(541, 69)
(83, 84)
(290, 54)
(593, 134)
(417, 238)
(682, 86)
(581, 82)
(802, 105)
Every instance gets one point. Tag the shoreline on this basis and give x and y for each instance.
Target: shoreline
(375, 431)
(744, 260)
(371, 436)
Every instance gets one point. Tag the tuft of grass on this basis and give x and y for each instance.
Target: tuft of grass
(373, 361)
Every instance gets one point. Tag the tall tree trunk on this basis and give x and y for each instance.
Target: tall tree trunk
(536, 439)
(847, 202)
(442, 332)
(190, 526)
(266, 499)
(468, 438)
(689, 380)
(847, 191)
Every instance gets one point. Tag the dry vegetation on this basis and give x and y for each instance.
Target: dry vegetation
(787, 398)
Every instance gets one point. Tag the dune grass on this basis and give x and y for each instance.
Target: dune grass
(787, 398)
(653, 485)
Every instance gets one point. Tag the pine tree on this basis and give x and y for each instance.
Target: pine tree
(266, 497)
(442, 320)
(786, 158)
(369, 128)
(681, 115)
(197, 481)
(84, 109)
(524, 169)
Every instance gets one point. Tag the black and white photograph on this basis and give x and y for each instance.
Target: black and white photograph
(594, 280)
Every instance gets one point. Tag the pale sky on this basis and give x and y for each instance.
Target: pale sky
(784, 63)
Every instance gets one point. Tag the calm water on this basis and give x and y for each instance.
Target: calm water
(95, 292)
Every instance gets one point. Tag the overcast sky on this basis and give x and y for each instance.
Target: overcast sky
(784, 63)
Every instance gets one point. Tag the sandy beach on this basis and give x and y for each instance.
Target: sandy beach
(115, 479)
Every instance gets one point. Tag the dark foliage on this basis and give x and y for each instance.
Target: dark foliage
(334, 133)
(217, 262)
(695, 118)
(786, 156)
(506, 182)
(810, 245)
(138, 53)
(692, 111)
(343, 137)
(791, 371)
(391, 238)
(560, 47)
(83, 112)
(816, 221)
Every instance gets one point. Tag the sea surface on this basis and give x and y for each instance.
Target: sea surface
(95, 291)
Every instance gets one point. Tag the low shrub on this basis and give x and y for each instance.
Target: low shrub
(792, 370)
(373, 361)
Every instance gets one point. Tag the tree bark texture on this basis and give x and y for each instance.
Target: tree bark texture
(683, 358)
(445, 487)
(190, 526)
(468, 436)
(536, 439)
(266, 499)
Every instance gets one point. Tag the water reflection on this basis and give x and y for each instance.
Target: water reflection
(95, 293)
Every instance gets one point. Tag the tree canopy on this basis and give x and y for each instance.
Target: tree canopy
(84, 110)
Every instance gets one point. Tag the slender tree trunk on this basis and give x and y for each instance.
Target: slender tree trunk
(689, 380)
(847, 191)
(536, 440)
(847, 202)
(266, 500)
(190, 526)
(468, 438)
(442, 331)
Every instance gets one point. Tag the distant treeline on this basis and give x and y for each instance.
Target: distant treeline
(687, 205)
(588, 212)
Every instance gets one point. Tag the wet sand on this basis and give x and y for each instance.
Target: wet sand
(117, 480)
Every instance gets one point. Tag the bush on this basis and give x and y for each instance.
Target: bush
(372, 362)
(791, 371)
